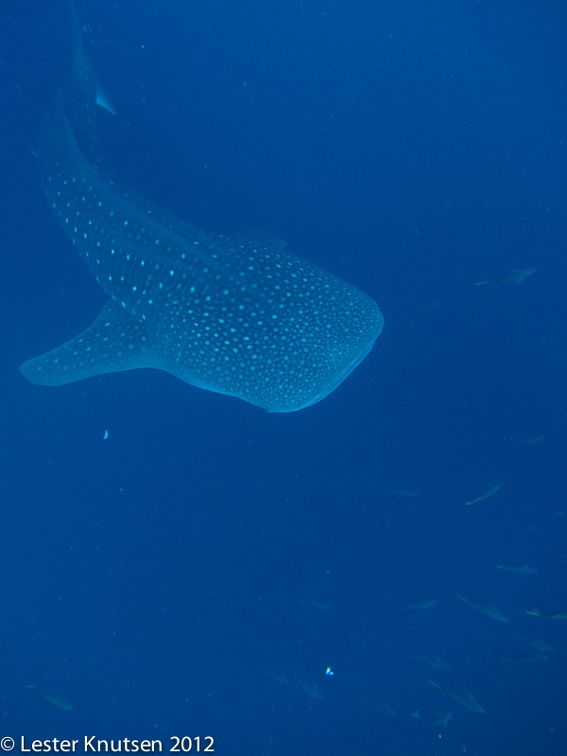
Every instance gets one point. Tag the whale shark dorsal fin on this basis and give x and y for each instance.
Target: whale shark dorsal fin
(83, 75)
(115, 341)
(103, 99)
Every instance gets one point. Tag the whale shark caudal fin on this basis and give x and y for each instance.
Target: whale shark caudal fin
(115, 341)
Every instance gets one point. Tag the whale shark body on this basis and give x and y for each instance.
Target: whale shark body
(236, 314)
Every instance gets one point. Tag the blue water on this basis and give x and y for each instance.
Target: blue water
(198, 571)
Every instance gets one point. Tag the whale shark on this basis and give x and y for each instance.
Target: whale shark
(237, 314)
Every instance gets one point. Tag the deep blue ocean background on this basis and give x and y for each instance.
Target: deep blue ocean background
(197, 572)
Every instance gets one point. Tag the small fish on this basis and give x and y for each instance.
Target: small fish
(512, 277)
(548, 615)
(490, 611)
(310, 688)
(280, 679)
(526, 658)
(382, 708)
(422, 605)
(539, 645)
(418, 715)
(441, 722)
(404, 493)
(432, 661)
(53, 698)
(317, 605)
(467, 700)
(491, 491)
(531, 440)
(523, 570)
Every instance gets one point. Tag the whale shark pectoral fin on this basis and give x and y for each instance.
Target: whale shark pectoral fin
(115, 341)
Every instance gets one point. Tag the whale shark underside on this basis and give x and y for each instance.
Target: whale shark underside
(239, 314)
